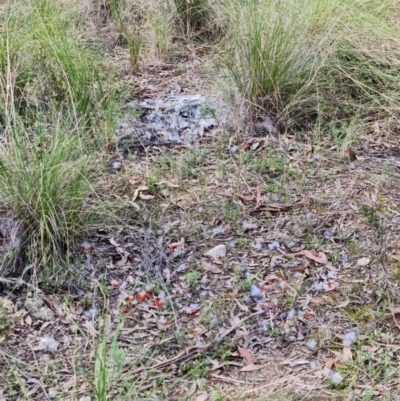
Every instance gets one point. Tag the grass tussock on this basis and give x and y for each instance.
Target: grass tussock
(44, 63)
(51, 95)
(296, 61)
(46, 180)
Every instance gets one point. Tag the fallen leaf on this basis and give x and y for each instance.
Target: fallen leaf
(146, 197)
(247, 198)
(123, 261)
(258, 194)
(135, 205)
(252, 368)
(167, 184)
(139, 189)
(318, 257)
(90, 328)
(113, 242)
(343, 304)
(347, 354)
(363, 261)
(217, 253)
(202, 397)
(71, 382)
(209, 267)
(246, 355)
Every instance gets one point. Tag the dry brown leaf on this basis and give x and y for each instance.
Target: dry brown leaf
(217, 253)
(135, 206)
(202, 397)
(342, 304)
(146, 197)
(209, 267)
(113, 242)
(252, 368)
(167, 184)
(70, 383)
(318, 257)
(347, 354)
(139, 189)
(329, 363)
(123, 261)
(258, 194)
(246, 355)
(90, 328)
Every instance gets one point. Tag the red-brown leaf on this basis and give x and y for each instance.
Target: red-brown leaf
(246, 355)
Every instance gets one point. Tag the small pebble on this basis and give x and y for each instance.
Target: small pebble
(159, 232)
(233, 149)
(312, 344)
(194, 306)
(292, 244)
(313, 365)
(290, 314)
(200, 209)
